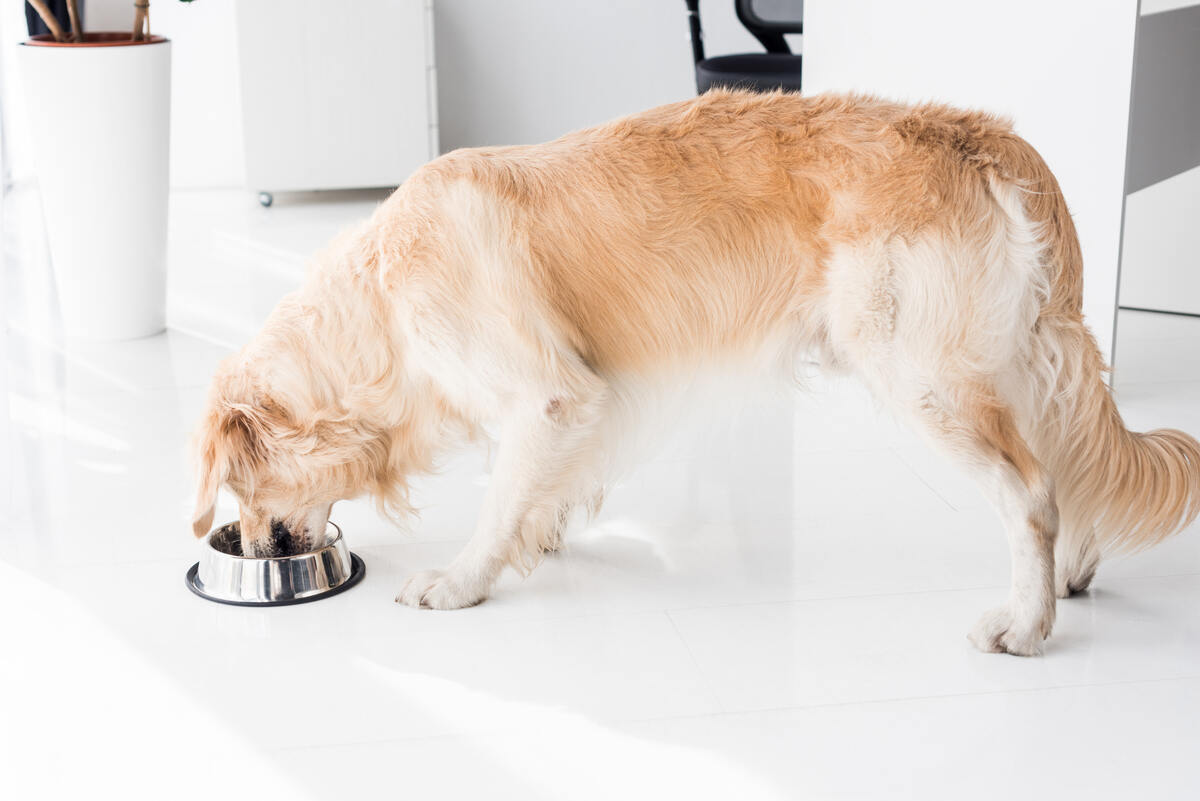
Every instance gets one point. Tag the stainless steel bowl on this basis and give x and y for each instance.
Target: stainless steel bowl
(225, 576)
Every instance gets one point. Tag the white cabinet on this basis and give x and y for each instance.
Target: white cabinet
(336, 95)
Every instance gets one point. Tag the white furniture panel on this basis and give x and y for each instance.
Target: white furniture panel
(1160, 265)
(336, 95)
(1159, 6)
(1159, 268)
(526, 71)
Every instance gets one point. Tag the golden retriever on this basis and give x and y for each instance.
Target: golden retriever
(541, 289)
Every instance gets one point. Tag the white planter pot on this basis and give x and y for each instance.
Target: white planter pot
(100, 123)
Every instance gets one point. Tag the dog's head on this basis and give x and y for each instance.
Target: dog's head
(285, 461)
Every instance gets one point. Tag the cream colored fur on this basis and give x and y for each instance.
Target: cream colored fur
(553, 293)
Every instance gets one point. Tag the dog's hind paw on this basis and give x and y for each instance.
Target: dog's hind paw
(999, 632)
(437, 589)
(1068, 584)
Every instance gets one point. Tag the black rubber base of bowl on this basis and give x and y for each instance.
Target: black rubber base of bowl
(357, 571)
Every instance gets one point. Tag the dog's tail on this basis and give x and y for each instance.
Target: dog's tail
(1130, 490)
(1117, 490)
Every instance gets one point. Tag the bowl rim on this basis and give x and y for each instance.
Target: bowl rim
(333, 543)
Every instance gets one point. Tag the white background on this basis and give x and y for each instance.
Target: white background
(529, 70)
(510, 72)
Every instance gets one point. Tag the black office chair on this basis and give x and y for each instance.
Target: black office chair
(768, 20)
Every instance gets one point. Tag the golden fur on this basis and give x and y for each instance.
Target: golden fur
(544, 289)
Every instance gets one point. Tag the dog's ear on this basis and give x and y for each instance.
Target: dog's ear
(243, 432)
(211, 471)
(233, 436)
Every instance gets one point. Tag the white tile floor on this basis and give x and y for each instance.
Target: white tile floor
(744, 621)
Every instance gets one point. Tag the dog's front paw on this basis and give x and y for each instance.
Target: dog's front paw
(437, 589)
(1000, 631)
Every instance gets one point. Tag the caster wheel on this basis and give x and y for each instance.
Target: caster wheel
(265, 199)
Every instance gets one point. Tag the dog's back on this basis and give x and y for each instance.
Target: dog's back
(708, 225)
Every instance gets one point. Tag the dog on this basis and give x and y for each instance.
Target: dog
(540, 290)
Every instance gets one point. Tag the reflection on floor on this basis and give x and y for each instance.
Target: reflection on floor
(771, 608)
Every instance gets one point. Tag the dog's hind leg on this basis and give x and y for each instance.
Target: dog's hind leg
(1076, 559)
(979, 431)
(546, 443)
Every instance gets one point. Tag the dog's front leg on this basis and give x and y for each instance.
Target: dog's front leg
(543, 447)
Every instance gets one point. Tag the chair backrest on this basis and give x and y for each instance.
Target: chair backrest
(769, 20)
(693, 7)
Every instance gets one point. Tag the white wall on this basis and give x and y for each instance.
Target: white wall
(523, 71)
(1061, 69)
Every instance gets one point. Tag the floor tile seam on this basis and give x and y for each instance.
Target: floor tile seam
(912, 469)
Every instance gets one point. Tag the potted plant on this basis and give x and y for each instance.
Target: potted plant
(99, 108)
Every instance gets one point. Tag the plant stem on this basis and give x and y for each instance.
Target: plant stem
(141, 20)
(51, 21)
(76, 22)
